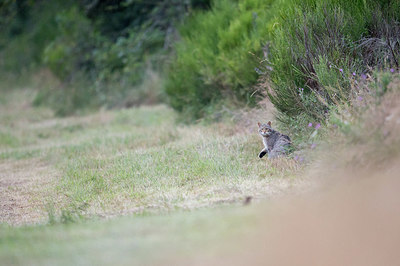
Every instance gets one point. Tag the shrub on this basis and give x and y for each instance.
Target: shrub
(113, 49)
(217, 55)
(322, 47)
(26, 27)
(100, 50)
(71, 50)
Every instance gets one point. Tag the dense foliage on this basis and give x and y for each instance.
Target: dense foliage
(218, 53)
(305, 55)
(322, 47)
(311, 52)
(101, 51)
(26, 28)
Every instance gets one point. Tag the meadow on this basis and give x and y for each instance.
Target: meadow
(125, 161)
(134, 186)
(66, 175)
(128, 132)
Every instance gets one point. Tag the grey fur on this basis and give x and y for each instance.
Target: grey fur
(275, 143)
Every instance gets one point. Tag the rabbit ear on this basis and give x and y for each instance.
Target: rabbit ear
(259, 124)
(269, 123)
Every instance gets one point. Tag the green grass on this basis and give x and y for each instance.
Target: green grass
(8, 140)
(180, 188)
(158, 167)
(135, 161)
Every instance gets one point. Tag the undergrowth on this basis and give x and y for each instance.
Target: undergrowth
(217, 55)
(322, 49)
(306, 55)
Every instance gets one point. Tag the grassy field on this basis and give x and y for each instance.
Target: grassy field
(60, 177)
(129, 161)
(133, 186)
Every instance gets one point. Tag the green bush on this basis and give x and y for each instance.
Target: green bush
(70, 57)
(217, 55)
(25, 30)
(72, 49)
(101, 51)
(317, 47)
(324, 47)
(310, 53)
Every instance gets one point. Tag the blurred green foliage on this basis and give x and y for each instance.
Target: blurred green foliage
(73, 47)
(101, 51)
(26, 28)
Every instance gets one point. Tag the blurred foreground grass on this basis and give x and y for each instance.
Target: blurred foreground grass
(138, 240)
